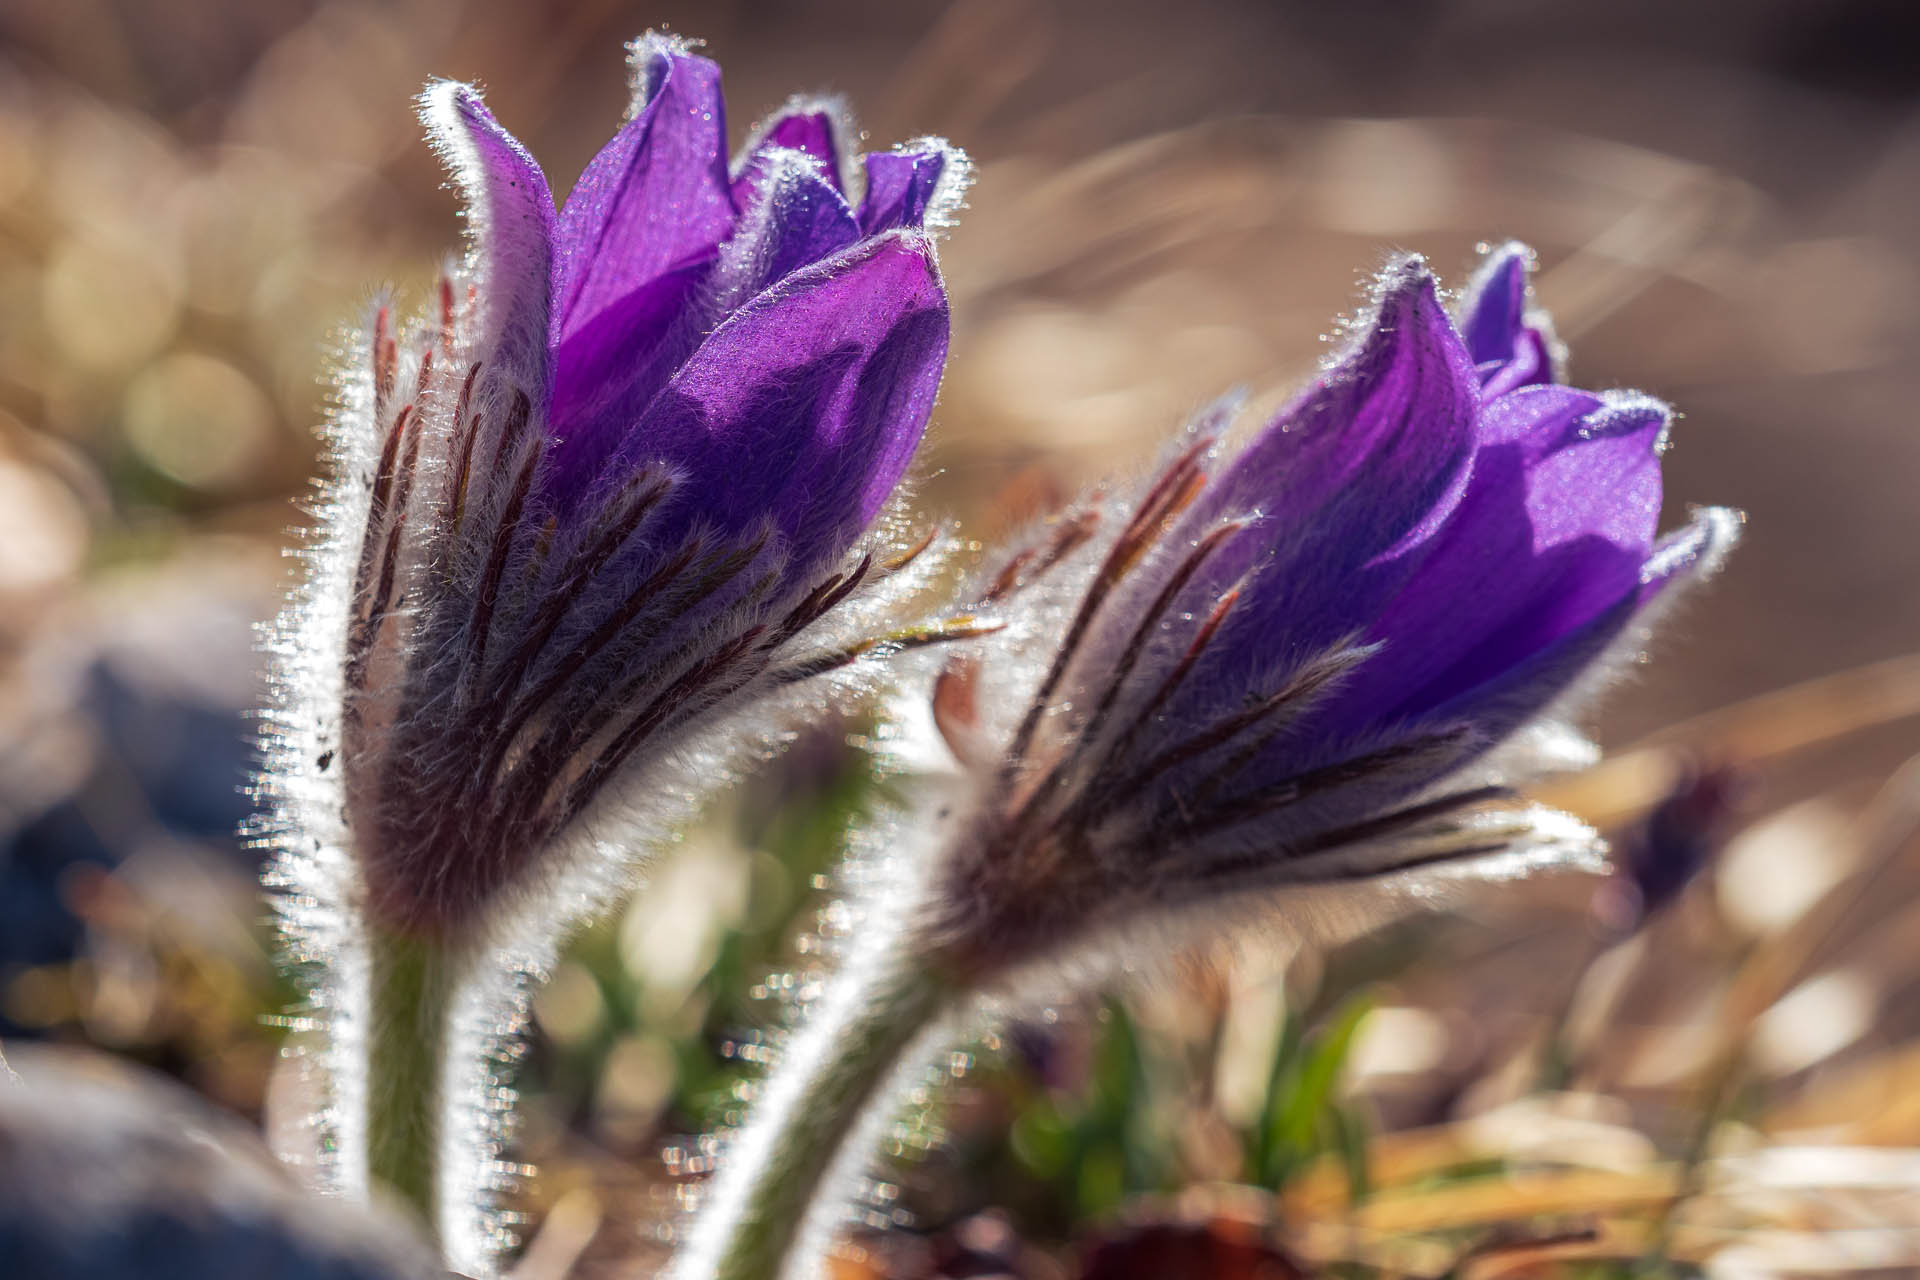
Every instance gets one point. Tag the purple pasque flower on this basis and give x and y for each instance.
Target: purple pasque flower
(1316, 660)
(618, 487)
(1665, 851)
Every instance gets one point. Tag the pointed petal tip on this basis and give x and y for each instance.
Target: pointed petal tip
(653, 44)
(441, 97)
(510, 225)
(458, 122)
(654, 203)
(819, 124)
(1493, 311)
(1404, 300)
(450, 107)
(1698, 550)
(830, 110)
(956, 177)
(1625, 413)
(650, 59)
(921, 183)
(1405, 276)
(1405, 294)
(1504, 259)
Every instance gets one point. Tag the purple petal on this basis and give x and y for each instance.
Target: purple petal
(1689, 554)
(1493, 709)
(801, 218)
(607, 385)
(511, 216)
(654, 203)
(902, 186)
(1510, 348)
(805, 407)
(614, 363)
(1495, 307)
(1551, 536)
(1347, 482)
(1529, 365)
(813, 125)
(1515, 696)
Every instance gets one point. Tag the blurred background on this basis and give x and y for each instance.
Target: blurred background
(1711, 1059)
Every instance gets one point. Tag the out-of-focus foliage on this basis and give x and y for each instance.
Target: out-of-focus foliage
(193, 197)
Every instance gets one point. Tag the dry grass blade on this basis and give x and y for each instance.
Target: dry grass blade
(1769, 727)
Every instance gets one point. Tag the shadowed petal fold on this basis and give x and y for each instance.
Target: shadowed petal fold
(820, 127)
(656, 199)
(1507, 699)
(1345, 483)
(640, 228)
(902, 186)
(801, 218)
(1511, 346)
(797, 219)
(1551, 534)
(806, 405)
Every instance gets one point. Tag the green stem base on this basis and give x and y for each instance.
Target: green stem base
(829, 1089)
(411, 984)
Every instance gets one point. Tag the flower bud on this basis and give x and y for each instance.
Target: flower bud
(614, 490)
(1298, 665)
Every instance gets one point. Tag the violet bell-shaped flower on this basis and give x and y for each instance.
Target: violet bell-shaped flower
(1314, 663)
(616, 484)
(1322, 661)
(597, 524)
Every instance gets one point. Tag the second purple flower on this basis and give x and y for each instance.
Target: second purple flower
(1321, 660)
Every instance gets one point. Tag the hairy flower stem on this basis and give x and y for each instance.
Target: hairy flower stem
(781, 1187)
(411, 988)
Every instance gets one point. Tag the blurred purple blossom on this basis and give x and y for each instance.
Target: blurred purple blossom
(1657, 858)
(1300, 665)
